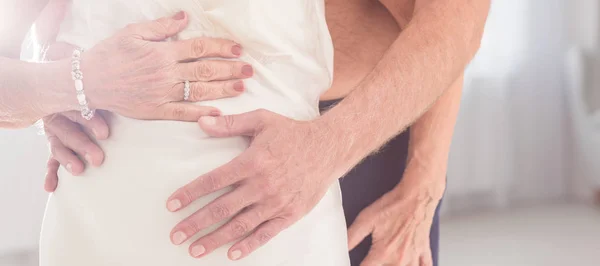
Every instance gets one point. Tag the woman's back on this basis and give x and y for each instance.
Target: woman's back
(116, 215)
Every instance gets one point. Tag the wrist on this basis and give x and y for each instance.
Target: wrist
(55, 86)
(424, 179)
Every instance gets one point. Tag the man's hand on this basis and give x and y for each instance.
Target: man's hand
(399, 223)
(282, 175)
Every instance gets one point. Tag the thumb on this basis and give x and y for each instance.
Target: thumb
(246, 124)
(160, 29)
(359, 230)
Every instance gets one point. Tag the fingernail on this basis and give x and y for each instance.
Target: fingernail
(236, 50)
(238, 86)
(247, 70)
(179, 238)
(208, 120)
(95, 133)
(179, 16)
(236, 254)
(174, 205)
(70, 168)
(88, 158)
(197, 251)
(215, 113)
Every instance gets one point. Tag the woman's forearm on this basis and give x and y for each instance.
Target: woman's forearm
(30, 91)
(429, 54)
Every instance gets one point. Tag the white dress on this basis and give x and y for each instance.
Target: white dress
(116, 215)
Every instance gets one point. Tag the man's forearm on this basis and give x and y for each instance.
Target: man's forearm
(430, 139)
(430, 53)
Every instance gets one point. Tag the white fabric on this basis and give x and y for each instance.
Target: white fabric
(116, 214)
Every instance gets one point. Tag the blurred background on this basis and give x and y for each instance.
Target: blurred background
(523, 180)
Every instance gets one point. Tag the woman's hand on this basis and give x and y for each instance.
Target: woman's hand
(70, 142)
(71, 137)
(136, 74)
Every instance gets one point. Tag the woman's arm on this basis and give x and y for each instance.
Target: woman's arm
(17, 16)
(30, 91)
(134, 73)
(24, 86)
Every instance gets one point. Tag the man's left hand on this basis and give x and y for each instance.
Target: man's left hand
(282, 175)
(399, 223)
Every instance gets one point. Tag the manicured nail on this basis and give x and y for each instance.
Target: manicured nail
(247, 70)
(236, 50)
(215, 113)
(179, 238)
(197, 251)
(239, 86)
(70, 168)
(88, 158)
(236, 254)
(179, 16)
(208, 120)
(174, 205)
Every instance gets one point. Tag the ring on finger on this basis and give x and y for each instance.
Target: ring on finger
(186, 90)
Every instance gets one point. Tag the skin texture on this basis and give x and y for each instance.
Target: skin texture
(400, 221)
(440, 37)
(149, 85)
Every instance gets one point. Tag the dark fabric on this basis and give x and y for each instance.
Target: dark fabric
(371, 179)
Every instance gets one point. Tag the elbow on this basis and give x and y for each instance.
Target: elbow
(480, 9)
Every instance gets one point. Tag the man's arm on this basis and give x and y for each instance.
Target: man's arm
(429, 54)
(431, 134)
(430, 139)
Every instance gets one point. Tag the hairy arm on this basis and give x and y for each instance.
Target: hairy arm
(430, 139)
(426, 58)
(25, 96)
(431, 134)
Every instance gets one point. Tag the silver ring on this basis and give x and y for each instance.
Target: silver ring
(186, 90)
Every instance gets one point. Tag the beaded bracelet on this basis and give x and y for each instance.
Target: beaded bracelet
(77, 76)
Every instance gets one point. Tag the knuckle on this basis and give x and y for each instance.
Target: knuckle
(53, 149)
(198, 47)
(209, 242)
(227, 88)
(163, 25)
(205, 71)
(229, 122)
(187, 195)
(262, 113)
(210, 183)
(125, 41)
(191, 226)
(239, 228)
(179, 112)
(200, 91)
(219, 212)
(264, 236)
